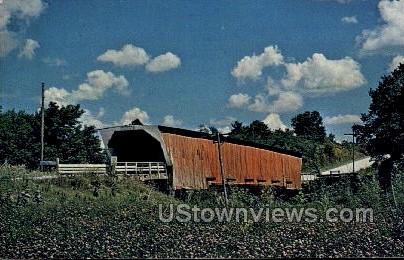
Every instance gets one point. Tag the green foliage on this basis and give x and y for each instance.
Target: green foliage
(203, 198)
(65, 137)
(211, 130)
(18, 143)
(383, 130)
(63, 219)
(309, 125)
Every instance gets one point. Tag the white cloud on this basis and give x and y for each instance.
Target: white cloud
(96, 84)
(89, 119)
(388, 34)
(129, 55)
(58, 95)
(316, 75)
(274, 122)
(223, 125)
(285, 102)
(164, 62)
(134, 113)
(169, 120)
(321, 75)
(342, 119)
(8, 42)
(99, 81)
(260, 104)
(56, 62)
(224, 130)
(18, 10)
(396, 61)
(273, 87)
(28, 51)
(250, 67)
(349, 19)
(222, 122)
(21, 9)
(238, 100)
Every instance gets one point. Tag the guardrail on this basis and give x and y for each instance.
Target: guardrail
(143, 170)
(141, 167)
(81, 168)
(307, 177)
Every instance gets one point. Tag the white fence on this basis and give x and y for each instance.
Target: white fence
(307, 177)
(141, 167)
(81, 168)
(143, 170)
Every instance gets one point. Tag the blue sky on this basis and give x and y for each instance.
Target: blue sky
(184, 63)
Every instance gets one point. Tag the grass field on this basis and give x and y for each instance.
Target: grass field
(93, 216)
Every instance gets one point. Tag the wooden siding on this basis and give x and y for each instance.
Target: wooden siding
(196, 159)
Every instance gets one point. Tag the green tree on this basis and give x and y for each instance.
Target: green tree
(65, 137)
(258, 130)
(18, 144)
(383, 130)
(210, 130)
(309, 125)
(237, 129)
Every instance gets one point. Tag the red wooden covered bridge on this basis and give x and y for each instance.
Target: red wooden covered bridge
(194, 160)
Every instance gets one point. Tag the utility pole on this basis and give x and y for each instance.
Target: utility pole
(221, 167)
(42, 123)
(353, 149)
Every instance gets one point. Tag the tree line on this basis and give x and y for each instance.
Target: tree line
(65, 137)
(381, 135)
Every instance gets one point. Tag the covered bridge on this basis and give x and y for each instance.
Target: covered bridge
(191, 159)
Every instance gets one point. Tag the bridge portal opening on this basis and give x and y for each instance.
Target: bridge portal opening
(136, 146)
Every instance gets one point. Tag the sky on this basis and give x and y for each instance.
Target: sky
(187, 63)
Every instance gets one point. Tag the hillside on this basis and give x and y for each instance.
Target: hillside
(94, 216)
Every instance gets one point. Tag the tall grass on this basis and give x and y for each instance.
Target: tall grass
(104, 216)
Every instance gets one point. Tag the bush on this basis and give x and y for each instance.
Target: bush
(62, 218)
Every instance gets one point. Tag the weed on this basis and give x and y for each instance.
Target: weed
(66, 218)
